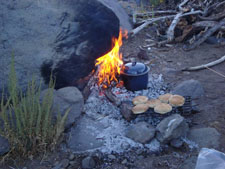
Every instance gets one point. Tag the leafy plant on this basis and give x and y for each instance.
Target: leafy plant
(27, 117)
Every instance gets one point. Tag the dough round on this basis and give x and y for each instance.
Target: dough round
(176, 100)
(140, 100)
(140, 108)
(163, 108)
(165, 97)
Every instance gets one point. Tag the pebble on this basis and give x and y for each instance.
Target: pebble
(124, 161)
(88, 163)
(71, 157)
(112, 157)
(65, 163)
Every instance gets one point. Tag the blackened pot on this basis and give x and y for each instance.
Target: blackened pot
(135, 76)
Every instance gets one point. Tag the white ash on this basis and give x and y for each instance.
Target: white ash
(98, 107)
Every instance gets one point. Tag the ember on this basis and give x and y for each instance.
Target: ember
(110, 65)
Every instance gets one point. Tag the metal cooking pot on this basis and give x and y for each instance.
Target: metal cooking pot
(135, 76)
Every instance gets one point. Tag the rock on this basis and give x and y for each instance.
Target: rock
(146, 163)
(189, 163)
(171, 127)
(177, 143)
(124, 161)
(191, 88)
(111, 157)
(120, 13)
(205, 137)
(141, 132)
(154, 145)
(71, 157)
(126, 111)
(63, 36)
(82, 137)
(64, 99)
(4, 146)
(88, 162)
(65, 163)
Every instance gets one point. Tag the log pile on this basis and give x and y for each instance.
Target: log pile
(192, 22)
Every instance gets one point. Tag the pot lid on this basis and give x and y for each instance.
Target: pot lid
(135, 68)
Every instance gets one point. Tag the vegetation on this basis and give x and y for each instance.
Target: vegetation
(27, 118)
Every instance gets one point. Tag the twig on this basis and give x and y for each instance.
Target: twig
(215, 72)
(214, 18)
(206, 35)
(181, 5)
(156, 13)
(222, 59)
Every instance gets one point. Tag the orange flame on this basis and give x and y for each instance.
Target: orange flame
(110, 64)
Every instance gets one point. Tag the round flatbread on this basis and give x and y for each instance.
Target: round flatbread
(163, 108)
(176, 100)
(140, 108)
(153, 102)
(165, 97)
(140, 100)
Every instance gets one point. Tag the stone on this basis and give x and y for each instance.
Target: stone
(64, 37)
(189, 163)
(141, 132)
(177, 143)
(71, 157)
(154, 145)
(120, 13)
(111, 157)
(83, 136)
(64, 99)
(172, 127)
(146, 163)
(4, 146)
(126, 111)
(205, 137)
(88, 162)
(124, 161)
(65, 163)
(191, 88)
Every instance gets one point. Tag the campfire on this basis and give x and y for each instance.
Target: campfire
(111, 64)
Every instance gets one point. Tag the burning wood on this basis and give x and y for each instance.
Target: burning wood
(110, 65)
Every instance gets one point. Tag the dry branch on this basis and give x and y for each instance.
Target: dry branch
(222, 59)
(156, 13)
(150, 21)
(170, 32)
(181, 5)
(206, 35)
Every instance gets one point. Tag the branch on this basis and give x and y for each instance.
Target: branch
(222, 59)
(206, 35)
(150, 21)
(170, 32)
(181, 5)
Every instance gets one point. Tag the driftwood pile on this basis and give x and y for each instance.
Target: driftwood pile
(193, 21)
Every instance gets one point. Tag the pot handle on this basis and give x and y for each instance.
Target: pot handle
(134, 63)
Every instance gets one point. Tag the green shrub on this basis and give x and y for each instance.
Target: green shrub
(27, 119)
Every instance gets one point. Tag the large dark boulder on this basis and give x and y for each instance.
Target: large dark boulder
(78, 48)
(62, 37)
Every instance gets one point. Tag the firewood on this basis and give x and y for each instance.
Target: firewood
(112, 98)
(217, 17)
(222, 59)
(155, 13)
(208, 33)
(151, 21)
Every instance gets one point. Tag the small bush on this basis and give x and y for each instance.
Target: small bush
(27, 119)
